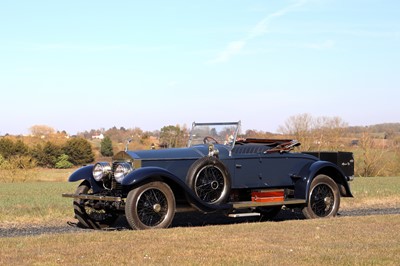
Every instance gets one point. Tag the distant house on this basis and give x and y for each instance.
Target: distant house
(101, 136)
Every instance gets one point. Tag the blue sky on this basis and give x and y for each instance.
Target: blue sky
(81, 65)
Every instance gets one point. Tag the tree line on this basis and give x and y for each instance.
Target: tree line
(376, 148)
(17, 154)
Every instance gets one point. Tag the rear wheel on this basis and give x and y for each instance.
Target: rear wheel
(88, 216)
(323, 198)
(150, 206)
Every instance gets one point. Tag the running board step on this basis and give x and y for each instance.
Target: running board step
(247, 214)
(248, 204)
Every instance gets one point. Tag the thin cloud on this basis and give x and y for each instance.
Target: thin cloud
(231, 50)
(325, 45)
(260, 29)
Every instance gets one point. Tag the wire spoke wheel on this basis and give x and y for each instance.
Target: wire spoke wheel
(209, 183)
(151, 205)
(324, 198)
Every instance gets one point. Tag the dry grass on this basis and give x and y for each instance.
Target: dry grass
(372, 240)
(369, 240)
(35, 175)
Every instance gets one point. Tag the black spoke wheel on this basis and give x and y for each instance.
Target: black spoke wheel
(209, 180)
(209, 183)
(87, 215)
(323, 199)
(150, 206)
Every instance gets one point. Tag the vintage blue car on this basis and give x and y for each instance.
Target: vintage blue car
(216, 172)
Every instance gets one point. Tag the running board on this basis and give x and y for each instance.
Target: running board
(247, 214)
(248, 204)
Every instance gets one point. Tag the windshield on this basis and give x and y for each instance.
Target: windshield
(217, 133)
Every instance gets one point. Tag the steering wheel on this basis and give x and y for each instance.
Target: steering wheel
(207, 139)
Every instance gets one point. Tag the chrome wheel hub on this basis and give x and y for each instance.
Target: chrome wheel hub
(157, 207)
(214, 185)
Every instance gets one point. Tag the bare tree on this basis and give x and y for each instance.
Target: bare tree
(41, 130)
(299, 127)
(315, 133)
(329, 131)
(373, 162)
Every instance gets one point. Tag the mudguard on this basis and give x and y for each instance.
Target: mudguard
(85, 173)
(302, 185)
(147, 174)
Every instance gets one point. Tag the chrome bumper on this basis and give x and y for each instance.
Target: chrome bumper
(92, 197)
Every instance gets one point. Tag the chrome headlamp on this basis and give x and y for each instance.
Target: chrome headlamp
(100, 170)
(121, 171)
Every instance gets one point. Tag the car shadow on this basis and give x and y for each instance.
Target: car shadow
(197, 219)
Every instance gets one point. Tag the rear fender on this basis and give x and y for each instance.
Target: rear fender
(302, 186)
(148, 174)
(85, 173)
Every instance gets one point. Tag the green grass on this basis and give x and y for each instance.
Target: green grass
(365, 187)
(374, 192)
(38, 202)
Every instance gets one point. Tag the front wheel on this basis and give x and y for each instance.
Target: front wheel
(323, 198)
(150, 206)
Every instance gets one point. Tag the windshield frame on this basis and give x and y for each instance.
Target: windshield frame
(229, 145)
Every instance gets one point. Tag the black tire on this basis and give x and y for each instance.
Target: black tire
(210, 180)
(268, 213)
(150, 206)
(89, 217)
(323, 198)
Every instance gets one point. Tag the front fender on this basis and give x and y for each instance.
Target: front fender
(147, 174)
(302, 186)
(142, 174)
(85, 173)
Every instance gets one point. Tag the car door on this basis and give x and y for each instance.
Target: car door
(277, 169)
(247, 171)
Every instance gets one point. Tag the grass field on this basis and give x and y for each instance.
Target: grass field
(34, 175)
(35, 203)
(369, 240)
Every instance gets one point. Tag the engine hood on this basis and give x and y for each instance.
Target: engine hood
(176, 153)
